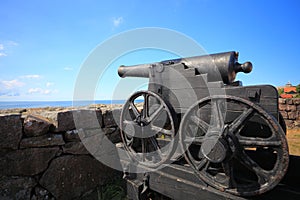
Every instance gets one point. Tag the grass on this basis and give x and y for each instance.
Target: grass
(293, 137)
(112, 191)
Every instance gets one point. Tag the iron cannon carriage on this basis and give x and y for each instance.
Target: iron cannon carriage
(196, 114)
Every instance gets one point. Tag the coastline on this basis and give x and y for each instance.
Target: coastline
(39, 110)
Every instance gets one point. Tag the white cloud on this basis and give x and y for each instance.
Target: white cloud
(11, 84)
(12, 43)
(38, 91)
(32, 76)
(41, 91)
(49, 84)
(68, 68)
(2, 54)
(117, 21)
(6, 47)
(10, 88)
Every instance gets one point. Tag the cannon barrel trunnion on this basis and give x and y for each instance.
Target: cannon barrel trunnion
(194, 114)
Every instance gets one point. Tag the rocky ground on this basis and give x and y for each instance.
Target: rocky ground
(103, 107)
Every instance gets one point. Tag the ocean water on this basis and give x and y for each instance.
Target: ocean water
(41, 104)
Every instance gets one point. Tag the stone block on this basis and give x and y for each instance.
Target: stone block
(290, 108)
(282, 107)
(41, 194)
(69, 177)
(281, 101)
(298, 107)
(42, 141)
(71, 136)
(26, 162)
(16, 187)
(10, 131)
(296, 101)
(284, 114)
(113, 134)
(35, 125)
(292, 115)
(76, 148)
(297, 123)
(289, 123)
(78, 119)
(111, 118)
(289, 101)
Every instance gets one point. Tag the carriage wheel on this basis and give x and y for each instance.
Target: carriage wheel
(242, 151)
(148, 129)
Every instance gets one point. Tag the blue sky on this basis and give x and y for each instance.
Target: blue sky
(43, 44)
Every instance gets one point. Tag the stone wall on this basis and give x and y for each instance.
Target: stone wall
(42, 156)
(290, 110)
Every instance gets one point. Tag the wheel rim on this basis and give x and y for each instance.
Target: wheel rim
(148, 129)
(234, 160)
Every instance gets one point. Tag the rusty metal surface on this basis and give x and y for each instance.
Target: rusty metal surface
(227, 153)
(179, 182)
(232, 138)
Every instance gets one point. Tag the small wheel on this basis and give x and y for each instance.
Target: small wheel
(234, 145)
(148, 128)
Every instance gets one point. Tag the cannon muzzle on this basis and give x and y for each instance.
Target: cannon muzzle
(134, 71)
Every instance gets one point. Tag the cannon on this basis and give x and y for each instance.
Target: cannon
(196, 114)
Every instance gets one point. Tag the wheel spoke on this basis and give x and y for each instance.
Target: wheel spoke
(156, 146)
(129, 140)
(194, 140)
(154, 115)
(259, 142)
(227, 166)
(200, 164)
(143, 140)
(263, 175)
(236, 124)
(217, 121)
(127, 122)
(146, 106)
(135, 110)
(199, 122)
(162, 130)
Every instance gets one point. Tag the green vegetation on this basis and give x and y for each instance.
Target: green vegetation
(297, 95)
(112, 191)
(280, 91)
(298, 88)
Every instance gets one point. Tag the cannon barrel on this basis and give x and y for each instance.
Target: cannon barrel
(218, 66)
(134, 71)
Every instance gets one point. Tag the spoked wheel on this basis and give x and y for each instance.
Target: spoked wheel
(234, 145)
(148, 129)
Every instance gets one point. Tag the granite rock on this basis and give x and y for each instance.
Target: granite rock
(74, 148)
(69, 177)
(78, 119)
(42, 141)
(10, 131)
(16, 187)
(27, 162)
(36, 125)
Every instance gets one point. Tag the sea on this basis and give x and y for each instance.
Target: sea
(42, 104)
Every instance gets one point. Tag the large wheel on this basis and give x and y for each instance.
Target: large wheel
(234, 145)
(148, 128)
